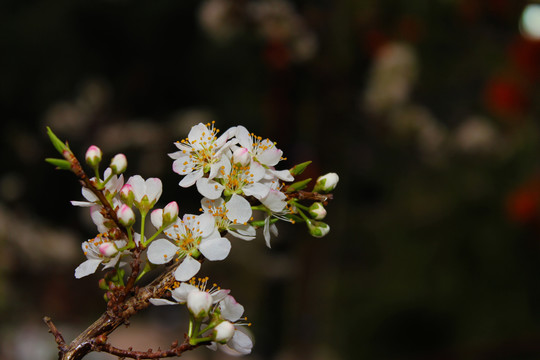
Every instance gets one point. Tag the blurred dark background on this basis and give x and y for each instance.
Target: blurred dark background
(428, 111)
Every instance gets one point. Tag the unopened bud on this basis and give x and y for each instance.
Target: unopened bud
(299, 168)
(170, 212)
(103, 284)
(241, 156)
(108, 249)
(326, 183)
(118, 163)
(127, 195)
(126, 216)
(93, 156)
(317, 211)
(199, 302)
(223, 332)
(317, 229)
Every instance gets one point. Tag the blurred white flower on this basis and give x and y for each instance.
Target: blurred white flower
(391, 78)
(476, 135)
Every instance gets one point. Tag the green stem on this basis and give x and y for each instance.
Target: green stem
(200, 340)
(143, 218)
(156, 234)
(301, 213)
(147, 268)
(298, 205)
(109, 178)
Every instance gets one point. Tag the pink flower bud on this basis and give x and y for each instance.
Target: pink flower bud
(118, 163)
(241, 156)
(170, 212)
(223, 332)
(199, 302)
(107, 249)
(93, 156)
(126, 216)
(127, 195)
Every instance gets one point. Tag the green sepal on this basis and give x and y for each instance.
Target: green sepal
(299, 168)
(57, 143)
(260, 223)
(59, 163)
(299, 185)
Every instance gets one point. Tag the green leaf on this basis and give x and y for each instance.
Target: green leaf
(59, 163)
(299, 185)
(299, 168)
(57, 143)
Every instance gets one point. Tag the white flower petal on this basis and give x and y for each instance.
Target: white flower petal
(156, 217)
(274, 230)
(244, 139)
(206, 224)
(220, 295)
(256, 190)
(196, 136)
(209, 188)
(228, 134)
(180, 293)
(187, 269)
(98, 219)
(161, 251)
(244, 232)
(266, 231)
(206, 203)
(215, 249)
(182, 146)
(81, 203)
(160, 302)
(183, 165)
(257, 170)
(271, 155)
(241, 343)
(230, 309)
(223, 163)
(284, 175)
(239, 209)
(274, 200)
(153, 188)
(86, 268)
(191, 178)
(139, 187)
(89, 195)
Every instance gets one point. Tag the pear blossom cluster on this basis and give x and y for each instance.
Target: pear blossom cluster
(217, 315)
(243, 190)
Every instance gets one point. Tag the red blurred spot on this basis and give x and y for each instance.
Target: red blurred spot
(505, 97)
(277, 55)
(523, 204)
(525, 55)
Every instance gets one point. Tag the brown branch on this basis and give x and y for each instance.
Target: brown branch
(57, 335)
(97, 333)
(79, 172)
(149, 354)
(307, 195)
(111, 213)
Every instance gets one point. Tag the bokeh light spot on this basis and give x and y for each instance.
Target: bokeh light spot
(530, 22)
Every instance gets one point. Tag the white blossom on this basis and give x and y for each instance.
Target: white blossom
(231, 216)
(92, 250)
(189, 236)
(201, 153)
(146, 192)
(111, 188)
